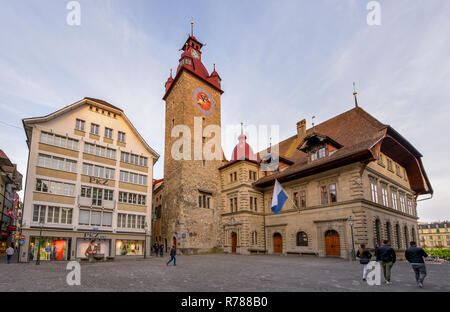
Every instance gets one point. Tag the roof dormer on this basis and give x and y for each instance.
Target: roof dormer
(318, 146)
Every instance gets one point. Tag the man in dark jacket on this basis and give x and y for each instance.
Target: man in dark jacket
(172, 256)
(161, 250)
(386, 255)
(415, 256)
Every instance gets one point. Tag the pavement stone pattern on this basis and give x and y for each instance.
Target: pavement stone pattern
(217, 273)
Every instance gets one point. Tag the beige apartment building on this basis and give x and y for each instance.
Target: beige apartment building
(434, 235)
(89, 181)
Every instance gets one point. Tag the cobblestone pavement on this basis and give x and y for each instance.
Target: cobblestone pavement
(215, 273)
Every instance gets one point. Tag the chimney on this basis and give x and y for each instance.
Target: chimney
(301, 128)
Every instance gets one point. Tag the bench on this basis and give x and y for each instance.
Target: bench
(302, 253)
(95, 258)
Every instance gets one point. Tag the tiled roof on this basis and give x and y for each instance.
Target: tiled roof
(357, 132)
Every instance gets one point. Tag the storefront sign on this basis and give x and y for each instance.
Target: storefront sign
(98, 180)
(93, 235)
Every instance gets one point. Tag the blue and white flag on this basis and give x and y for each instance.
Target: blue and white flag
(279, 198)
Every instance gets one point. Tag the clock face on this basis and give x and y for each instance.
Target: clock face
(203, 101)
(194, 54)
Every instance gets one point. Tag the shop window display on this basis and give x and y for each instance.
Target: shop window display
(129, 248)
(99, 248)
(54, 249)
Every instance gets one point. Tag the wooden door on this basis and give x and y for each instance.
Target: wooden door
(233, 242)
(277, 243)
(332, 244)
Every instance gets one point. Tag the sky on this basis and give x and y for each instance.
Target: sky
(280, 62)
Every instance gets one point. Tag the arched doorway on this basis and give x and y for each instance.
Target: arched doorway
(332, 243)
(233, 242)
(277, 243)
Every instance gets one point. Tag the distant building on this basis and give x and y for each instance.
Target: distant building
(88, 179)
(10, 206)
(434, 235)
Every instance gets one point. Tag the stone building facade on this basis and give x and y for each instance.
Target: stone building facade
(350, 180)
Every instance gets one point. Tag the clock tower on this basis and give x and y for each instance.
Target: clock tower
(190, 217)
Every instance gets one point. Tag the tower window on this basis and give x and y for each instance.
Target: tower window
(204, 201)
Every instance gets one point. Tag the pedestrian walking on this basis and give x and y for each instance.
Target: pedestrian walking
(161, 250)
(387, 257)
(9, 253)
(364, 256)
(377, 259)
(172, 256)
(415, 256)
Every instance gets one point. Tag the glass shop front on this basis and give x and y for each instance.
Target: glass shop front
(95, 247)
(129, 248)
(50, 248)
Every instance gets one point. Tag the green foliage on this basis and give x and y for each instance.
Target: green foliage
(441, 253)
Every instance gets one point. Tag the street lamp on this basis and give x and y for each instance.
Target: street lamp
(145, 240)
(353, 239)
(38, 260)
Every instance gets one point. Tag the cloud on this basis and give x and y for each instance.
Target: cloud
(280, 62)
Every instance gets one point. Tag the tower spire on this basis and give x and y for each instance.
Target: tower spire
(355, 94)
(242, 128)
(192, 26)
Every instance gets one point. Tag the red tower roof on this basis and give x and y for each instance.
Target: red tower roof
(242, 151)
(191, 60)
